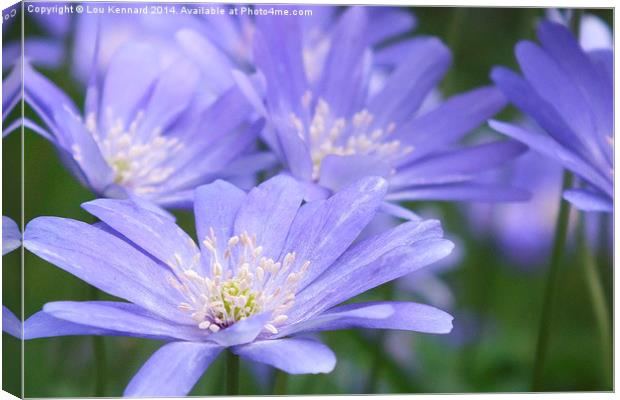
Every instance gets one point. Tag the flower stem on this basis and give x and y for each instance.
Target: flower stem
(280, 383)
(99, 355)
(232, 374)
(599, 304)
(542, 341)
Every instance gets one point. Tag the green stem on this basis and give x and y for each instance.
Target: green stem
(599, 303)
(280, 383)
(544, 329)
(99, 355)
(232, 374)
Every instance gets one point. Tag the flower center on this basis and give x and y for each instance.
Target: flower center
(239, 282)
(329, 135)
(137, 158)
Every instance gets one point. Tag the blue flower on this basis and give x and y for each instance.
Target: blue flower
(46, 51)
(11, 240)
(569, 93)
(147, 131)
(333, 131)
(233, 34)
(268, 269)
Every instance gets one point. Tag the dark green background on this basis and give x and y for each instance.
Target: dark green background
(505, 300)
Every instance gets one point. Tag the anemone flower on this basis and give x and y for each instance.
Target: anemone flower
(267, 271)
(146, 131)
(333, 132)
(568, 92)
(11, 240)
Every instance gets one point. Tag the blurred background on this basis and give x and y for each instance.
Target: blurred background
(495, 282)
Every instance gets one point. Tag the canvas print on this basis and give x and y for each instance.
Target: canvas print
(205, 199)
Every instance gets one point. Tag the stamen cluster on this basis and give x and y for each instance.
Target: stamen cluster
(136, 157)
(328, 135)
(239, 282)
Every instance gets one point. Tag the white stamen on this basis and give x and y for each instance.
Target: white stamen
(241, 285)
(137, 158)
(329, 135)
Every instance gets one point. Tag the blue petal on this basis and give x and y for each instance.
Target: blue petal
(123, 319)
(243, 331)
(555, 151)
(44, 325)
(107, 262)
(587, 200)
(268, 211)
(338, 172)
(11, 236)
(215, 207)
(11, 324)
(381, 315)
(325, 229)
(451, 120)
(438, 167)
(411, 82)
(131, 74)
(345, 76)
(215, 65)
(173, 370)
(294, 356)
(466, 191)
(372, 262)
(156, 234)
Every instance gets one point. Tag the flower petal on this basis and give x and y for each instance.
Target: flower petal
(173, 370)
(158, 235)
(294, 356)
(243, 331)
(11, 236)
(131, 74)
(548, 147)
(11, 324)
(122, 318)
(455, 163)
(325, 229)
(587, 200)
(372, 262)
(215, 207)
(381, 315)
(338, 172)
(107, 262)
(411, 82)
(44, 325)
(267, 213)
(468, 191)
(449, 121)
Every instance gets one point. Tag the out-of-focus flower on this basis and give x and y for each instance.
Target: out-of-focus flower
(569, 93)
(594, 33)
(147, 131)
(11, 240)
(106, 33)
(331, 132)
(233, 34)
(523, 231)
(11, 95)
(267, 270)
(47, 51)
